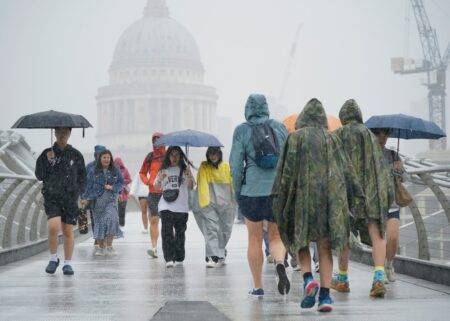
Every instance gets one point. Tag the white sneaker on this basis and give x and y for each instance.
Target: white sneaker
(153, 253)
(111, 251)
(144, 231)
(169, 264)
(390, 272)
(99, 251)
(178, 263)
(210, 263)
(317, 267)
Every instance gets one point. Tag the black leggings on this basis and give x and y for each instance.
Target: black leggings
(122, 209)
(173, 228)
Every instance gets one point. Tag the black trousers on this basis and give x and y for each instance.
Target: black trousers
(122, 206)
(173, 228)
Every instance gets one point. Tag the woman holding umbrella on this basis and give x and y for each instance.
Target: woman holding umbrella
(175, 179)
(401, 127)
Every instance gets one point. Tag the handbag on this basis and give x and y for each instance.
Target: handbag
(83, 227)
(402, 196)
(171, 195)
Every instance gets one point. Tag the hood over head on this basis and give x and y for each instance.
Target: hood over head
(350, 112)
(256, 107)
(158, 151)
(312, 115)
(119, 163)
(98, 149)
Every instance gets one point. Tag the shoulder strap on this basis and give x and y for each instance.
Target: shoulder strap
(149, 157)
(180, 177)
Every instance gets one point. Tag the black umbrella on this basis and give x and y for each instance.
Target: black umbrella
(52, 119)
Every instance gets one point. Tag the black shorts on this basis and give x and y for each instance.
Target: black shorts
(140, 198)
(257, 209)
(66, 209)
(153, 201)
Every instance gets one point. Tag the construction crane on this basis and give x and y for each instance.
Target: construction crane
(287, 72)
(433, 65)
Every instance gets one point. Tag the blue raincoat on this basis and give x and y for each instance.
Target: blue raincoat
(249, 179)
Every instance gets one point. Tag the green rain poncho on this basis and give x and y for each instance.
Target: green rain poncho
(314, 184)
(367, 159)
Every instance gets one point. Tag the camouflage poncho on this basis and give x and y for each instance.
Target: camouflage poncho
(367, 159)
(310, 190)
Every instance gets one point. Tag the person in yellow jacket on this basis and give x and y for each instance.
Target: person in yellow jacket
(215, 208)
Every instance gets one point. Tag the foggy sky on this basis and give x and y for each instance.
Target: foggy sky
(56, 53)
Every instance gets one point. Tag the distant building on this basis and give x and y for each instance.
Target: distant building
(155, 84)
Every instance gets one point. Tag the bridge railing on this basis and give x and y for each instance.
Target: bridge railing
(435, 179)
(22, 217)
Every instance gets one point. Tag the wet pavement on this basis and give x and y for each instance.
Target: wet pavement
(132, 286)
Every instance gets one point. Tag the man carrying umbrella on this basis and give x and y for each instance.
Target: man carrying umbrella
(62, 171)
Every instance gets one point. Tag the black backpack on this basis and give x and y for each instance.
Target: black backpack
(265, 144)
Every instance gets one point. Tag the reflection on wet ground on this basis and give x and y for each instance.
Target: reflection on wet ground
(132, 286)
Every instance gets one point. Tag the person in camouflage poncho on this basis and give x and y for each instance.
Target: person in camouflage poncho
(311, 199)
(368, 216)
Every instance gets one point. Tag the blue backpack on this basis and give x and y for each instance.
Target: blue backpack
(265, 144)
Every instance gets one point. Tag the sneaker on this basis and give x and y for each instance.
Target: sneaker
(210, 263)
(310, 289)
(283, 282)
(178, 263)
(99, 251)
(222, 260)
(67, 270)
(270, 259)
(296, 268)
(390, 272)
(144, 231)
(169, 264)
(340, 283)
(316, 267)
(378, 289)
(52, 266)
(325, 304)
(256, 293)
(294, 264)
(111, 251)
(153, 253)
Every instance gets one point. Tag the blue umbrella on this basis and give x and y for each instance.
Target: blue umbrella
(406, 127)
(189, 138)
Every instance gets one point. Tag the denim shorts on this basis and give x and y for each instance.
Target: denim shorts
(395, 214)
(257, 209)
(153, 201)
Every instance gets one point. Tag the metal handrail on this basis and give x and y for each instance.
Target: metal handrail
(435, 177)
(21, 194)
